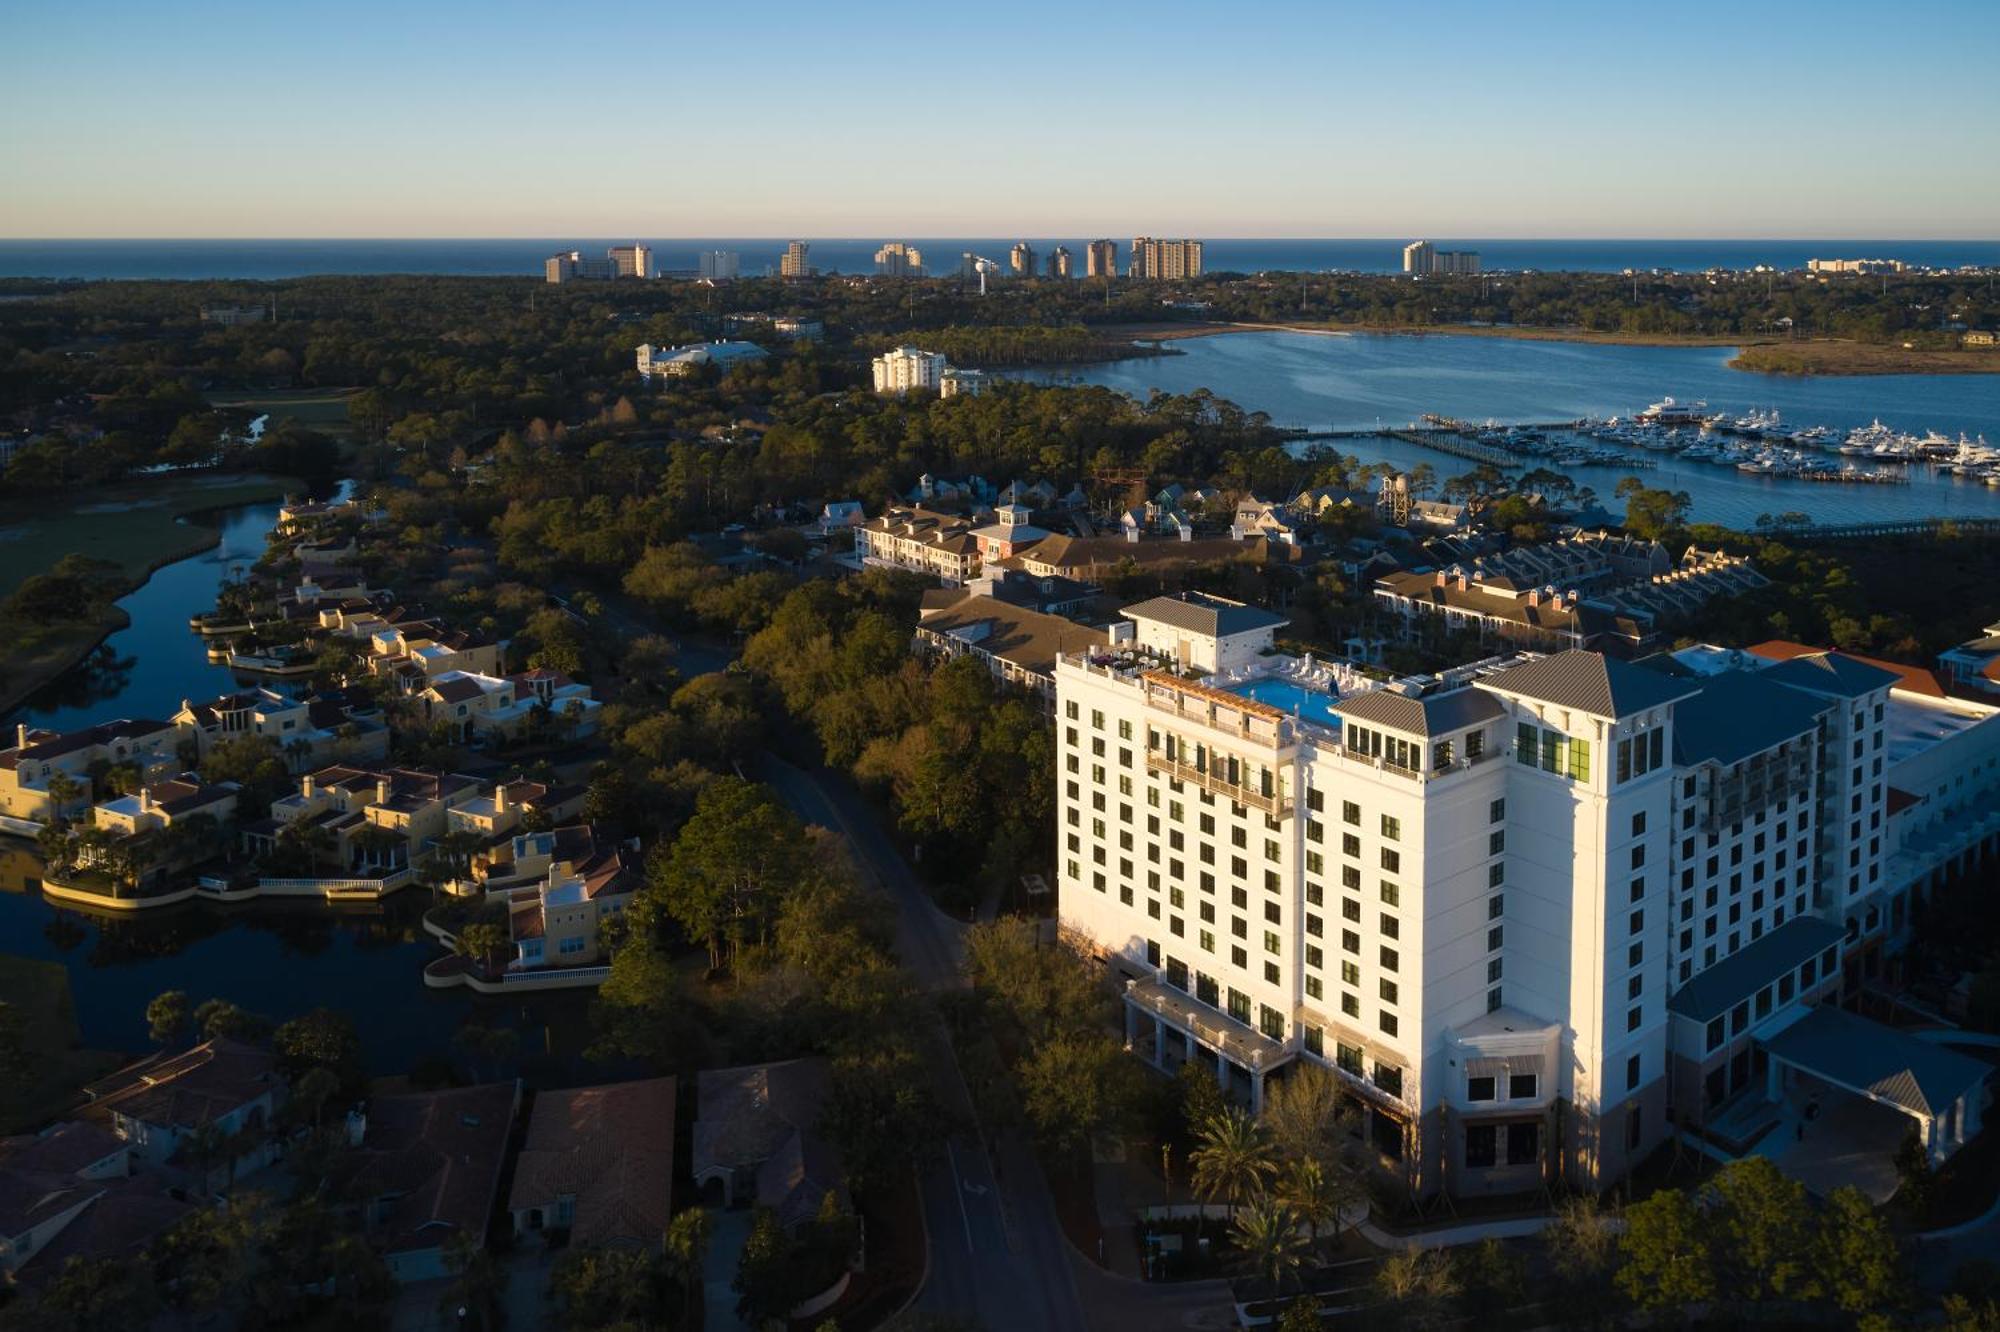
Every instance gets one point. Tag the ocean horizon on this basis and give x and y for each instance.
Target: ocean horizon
(279, 258)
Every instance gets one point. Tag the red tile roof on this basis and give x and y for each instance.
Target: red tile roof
(611, 1150)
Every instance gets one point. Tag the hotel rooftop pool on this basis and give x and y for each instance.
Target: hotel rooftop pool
(1292, 699)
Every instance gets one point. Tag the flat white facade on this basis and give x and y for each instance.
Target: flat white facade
(908, 370)
(1511, 906)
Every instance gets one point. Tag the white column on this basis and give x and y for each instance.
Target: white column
(1222, 1070)
(1159, 1042)
(1131, 1025)
(1256, 1091)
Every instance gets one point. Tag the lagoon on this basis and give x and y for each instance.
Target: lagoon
(1358, 381)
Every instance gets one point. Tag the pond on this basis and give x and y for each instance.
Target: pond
(275, 959)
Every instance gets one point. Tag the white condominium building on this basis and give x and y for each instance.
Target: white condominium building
(631, 260)
(897, 259)
(907, 369)
(719, 265)
(1165, 260)
(1422, 257)
(1528, 909)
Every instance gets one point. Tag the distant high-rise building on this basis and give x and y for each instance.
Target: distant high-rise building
(720, 265)
(631, 260)
(795, 264)
(898, 259)
(1059, 263)
(1165, 260)
(1022, 259)
(571, 266)
(1100, 259)
(1421, 258)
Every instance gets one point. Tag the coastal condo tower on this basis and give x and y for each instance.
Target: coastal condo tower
(1530, 911)
(1165, 260)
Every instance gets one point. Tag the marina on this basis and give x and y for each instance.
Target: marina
(1845, 452)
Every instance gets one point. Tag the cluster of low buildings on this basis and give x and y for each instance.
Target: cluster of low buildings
(1586, 589)
(415, 1172)
(1537, 913)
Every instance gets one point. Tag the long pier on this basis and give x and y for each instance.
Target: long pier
(1902, 527)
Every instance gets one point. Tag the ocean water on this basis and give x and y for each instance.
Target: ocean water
(1371, 381)
(286, 258)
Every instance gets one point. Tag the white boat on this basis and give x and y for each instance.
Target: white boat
(1668, 412)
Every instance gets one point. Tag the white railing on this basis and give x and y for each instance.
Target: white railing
(556, 975)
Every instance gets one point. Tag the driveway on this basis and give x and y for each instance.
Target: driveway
(1852, 1140)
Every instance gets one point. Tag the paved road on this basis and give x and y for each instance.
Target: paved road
(997, 1248)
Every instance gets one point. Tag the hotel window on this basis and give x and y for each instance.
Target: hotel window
(1496, 842)
(1350, 813)
(1493, 970)
(1389, 959)
(1496, 874)
(1314, 958)
(1496, 811)
(1479, 1089)
(1391, 895)
(1314, 865)
(1350, 1006)
(1391, 927)
(1348, 1057)
(1350, 908)
(1238, 957)
(1391, 860)
(1315, 800)
(1207, 938)
(1350, 845)
(1392, 828)
(1482, 1146)
(1314, 990)
(1387, 989)
(1526, 744)
(1315, 1041)
(1634, 1018)
(1495, 937)
(1496, 906)
(1387, 1022)
(1350, 877)
(1350, 942)
(1350, 973)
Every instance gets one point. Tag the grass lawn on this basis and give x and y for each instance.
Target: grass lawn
(57, 1067)
(323, 409)
(131, 524)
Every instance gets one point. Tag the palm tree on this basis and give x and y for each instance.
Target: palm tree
(1268, 1234)
(1313, 1193)
(313, 1089)
(298, 749)
(687, 1247)
(1233, 1159)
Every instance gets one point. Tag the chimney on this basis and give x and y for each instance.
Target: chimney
(308, 786)
(1464, 583)
(1441, 578)
(381, 790)
(1534, 596)
(21, 734)
(357, 1127)
(1132, 535)
(145, 797)
(499, 797)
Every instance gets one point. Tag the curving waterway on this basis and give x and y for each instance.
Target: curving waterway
(279, 959)
(1362, 381)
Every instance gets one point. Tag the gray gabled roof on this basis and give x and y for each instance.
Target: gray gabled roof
(1740, 713)
(1749, 969)
(1199, 613)
(1590, 682)
(1863, 1056)
(1435, 714)
(1832, 673)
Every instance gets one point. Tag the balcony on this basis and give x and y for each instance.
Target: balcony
(1274, 805)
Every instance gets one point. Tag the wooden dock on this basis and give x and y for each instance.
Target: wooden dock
(1907, 527)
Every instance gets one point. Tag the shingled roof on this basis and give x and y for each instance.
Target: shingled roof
(1832, 673)
(1199, 613)
(1590, 682)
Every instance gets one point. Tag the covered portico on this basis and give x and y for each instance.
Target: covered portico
(1942, 1091)
(1184, 1028)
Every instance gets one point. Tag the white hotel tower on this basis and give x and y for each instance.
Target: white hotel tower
(1525, 908)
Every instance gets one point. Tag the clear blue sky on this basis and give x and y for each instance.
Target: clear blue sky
(440, 118)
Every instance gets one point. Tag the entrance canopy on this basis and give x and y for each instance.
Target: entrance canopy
(1882, 1063)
